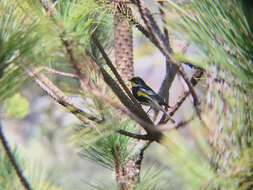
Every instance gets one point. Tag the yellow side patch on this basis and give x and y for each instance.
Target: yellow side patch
(140, 93)
(133, 84)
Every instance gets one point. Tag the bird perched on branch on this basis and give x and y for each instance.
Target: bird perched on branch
(146, 96)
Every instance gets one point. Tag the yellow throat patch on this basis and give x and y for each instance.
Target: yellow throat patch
(133, 84)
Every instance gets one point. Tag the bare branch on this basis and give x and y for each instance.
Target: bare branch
(194, 80)
(182, 123)
(12, 160)
(60, 72)
(115, 72)
(169, 57)
(55, 93)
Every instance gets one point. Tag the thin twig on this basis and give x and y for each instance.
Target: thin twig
(169, 57)
(12, 160)
(194, 80)
(164, 39)
(182, 123)
(60, 72)
(75, 64)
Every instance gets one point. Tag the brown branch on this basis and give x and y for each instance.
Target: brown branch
(60, 72)
(164, 39)
(119, 169)
(171, 70)
(79, 69)
(12, 160)
(169, 57)
(153, 133)
(132, 106)
(135, 136)
(54, 92)
(141, 155)
(191, 89)
(115, 72)
(194, 80)
(182, 124)
(152, 35)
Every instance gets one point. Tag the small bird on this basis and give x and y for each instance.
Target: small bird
(146, 96)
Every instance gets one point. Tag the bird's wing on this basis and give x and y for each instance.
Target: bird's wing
(148, 91)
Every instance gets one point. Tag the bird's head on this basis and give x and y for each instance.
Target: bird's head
(137, 81)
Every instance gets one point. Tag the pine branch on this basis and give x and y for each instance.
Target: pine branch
(54, 92)
(138, 115)
(119, 169)
(169, 57)
(115, 72)
(171, 70)
(59, 72)
(133, 105)
(133, 135)
(79, 69)
(194, 80)
(182, 123)
(12, 160)
(141, 155)
(152, 131)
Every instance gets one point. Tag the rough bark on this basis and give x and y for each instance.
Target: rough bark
(123, 42)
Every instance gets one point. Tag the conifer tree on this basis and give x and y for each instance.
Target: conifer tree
(72, 39)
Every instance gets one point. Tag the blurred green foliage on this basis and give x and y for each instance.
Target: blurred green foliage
(16, 106)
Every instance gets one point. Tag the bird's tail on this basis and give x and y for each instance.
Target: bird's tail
(159, 107)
